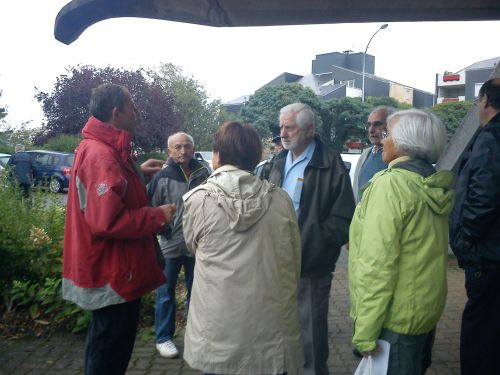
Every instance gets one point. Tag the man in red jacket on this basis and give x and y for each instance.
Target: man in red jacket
(110, 259)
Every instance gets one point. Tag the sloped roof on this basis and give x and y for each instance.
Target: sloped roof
(485, 64)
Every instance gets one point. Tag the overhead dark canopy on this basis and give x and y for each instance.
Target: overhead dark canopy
(78, 15)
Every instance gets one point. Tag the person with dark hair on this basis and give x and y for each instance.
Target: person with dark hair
(110, 256)
(181, 173)
(475, 237)
(23, 169)
(243, 317)
(318, 183)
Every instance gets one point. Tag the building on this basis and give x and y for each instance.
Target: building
(464, 84)
(338, 75)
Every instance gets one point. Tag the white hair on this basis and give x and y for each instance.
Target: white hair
(303, 113)
(383, 108)
(418, 133)
(171, 136)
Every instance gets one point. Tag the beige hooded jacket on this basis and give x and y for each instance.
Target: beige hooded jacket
(243, 315)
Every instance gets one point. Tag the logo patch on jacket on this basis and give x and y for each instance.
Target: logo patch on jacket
(102, 189)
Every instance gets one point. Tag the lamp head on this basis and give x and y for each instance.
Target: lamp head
(384, 26)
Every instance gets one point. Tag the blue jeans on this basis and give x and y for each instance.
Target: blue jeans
(165, 296)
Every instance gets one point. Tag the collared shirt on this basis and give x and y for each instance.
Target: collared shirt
(293, 180)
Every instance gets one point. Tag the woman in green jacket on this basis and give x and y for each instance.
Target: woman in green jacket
(399, 244)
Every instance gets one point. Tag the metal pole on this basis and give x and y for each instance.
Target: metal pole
(384, 26)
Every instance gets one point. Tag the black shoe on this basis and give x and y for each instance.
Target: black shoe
(356, 353)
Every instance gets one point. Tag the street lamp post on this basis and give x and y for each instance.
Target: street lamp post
(384, 26)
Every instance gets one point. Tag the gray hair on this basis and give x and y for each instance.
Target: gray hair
(19, 148)
(105, 97)
(419, 134)
(169, 140)
(303, 113)
(388, 110)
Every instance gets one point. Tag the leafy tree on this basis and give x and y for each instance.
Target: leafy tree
(198, 116)
(344, 119)
(63, 143)
(452, 114)
(10, 136)
(376, 101)
(66, 107)
(262, 109)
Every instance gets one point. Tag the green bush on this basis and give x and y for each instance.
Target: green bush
(31, 242)
(63, 143)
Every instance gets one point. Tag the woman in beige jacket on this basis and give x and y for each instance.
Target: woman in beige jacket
(243, 317)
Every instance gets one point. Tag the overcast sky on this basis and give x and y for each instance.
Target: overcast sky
(228, 62)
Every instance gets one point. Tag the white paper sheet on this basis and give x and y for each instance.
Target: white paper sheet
(381, 359)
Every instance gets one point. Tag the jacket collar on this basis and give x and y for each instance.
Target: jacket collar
(119, 140)
(318, 160)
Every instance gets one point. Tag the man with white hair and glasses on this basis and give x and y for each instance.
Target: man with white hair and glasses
(318, 183)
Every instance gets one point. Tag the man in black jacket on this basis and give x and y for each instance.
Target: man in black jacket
(24, 169)
(320, 188)
(475, 237)
(181, 173)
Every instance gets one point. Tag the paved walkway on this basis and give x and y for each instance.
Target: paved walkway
(63, 354)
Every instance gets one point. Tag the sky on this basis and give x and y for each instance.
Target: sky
(227, 62)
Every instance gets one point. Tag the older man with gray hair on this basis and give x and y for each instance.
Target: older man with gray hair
(181, 173)
(370, 161)
(318, 183)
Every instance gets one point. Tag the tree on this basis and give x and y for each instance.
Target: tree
(198, 116)
(452, 114)
(66, 107)
(344, 119)
(262, 109)
(376, 101)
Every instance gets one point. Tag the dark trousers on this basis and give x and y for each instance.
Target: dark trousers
(110, 338)
(409, 354)
(314, 295)
(481, 322)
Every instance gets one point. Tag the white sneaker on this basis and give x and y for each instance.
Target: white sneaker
(167, 349)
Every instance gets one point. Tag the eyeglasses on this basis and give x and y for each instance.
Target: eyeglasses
(376, 124)
(384, 134)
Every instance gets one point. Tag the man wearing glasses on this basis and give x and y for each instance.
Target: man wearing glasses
(370, 161)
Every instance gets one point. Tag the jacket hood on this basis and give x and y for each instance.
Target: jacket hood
(433, 186)
(120, 140)
(244, 197)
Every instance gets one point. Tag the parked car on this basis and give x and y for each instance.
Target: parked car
(351, 159)
(4, 158)
(205, 156)
(52, 169)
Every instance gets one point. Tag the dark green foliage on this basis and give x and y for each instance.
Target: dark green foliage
(63, 143)
(31, 241)
(452, 114)
(337, 120)
(262, 110)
